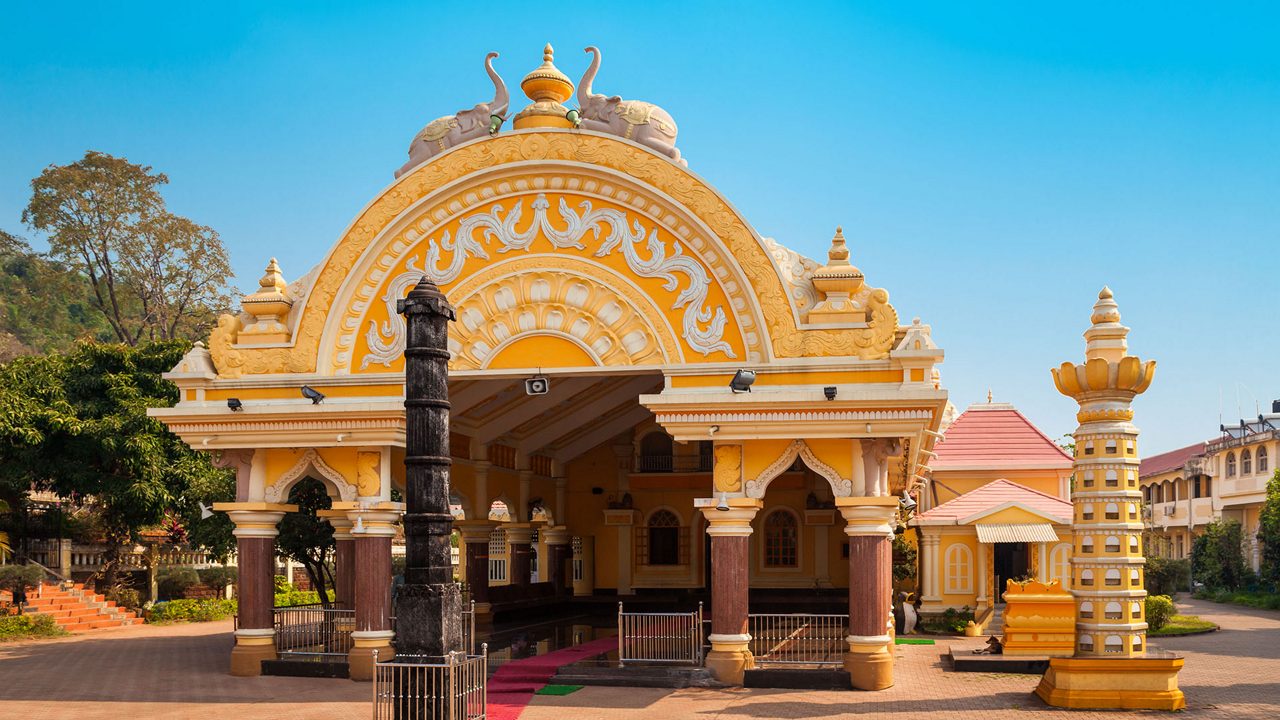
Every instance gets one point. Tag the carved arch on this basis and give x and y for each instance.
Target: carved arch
(311, 465)
(840, 487)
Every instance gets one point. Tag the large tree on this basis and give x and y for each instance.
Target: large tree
(308, 538)
(1269, 533)
(76, 423)
(153, 275)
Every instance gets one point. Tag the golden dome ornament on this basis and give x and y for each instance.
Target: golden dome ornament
(548, 88)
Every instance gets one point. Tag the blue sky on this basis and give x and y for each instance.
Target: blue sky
(993, 165)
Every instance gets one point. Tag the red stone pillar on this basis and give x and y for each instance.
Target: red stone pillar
(730, 532)
(344, 559)
(519, 540)
(475, 539)
(255, 531)
(373, 528)
(558, 553)
(869, 526)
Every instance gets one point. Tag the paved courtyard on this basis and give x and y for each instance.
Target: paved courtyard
(179, 671)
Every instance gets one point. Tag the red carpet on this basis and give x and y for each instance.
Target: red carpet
(513, 685)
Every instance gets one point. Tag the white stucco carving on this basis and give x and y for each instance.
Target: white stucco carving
(278, 491)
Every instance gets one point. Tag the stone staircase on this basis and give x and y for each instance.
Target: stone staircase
(996, 625)
(77, 609)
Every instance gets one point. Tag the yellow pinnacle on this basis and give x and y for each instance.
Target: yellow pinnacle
(839, 252)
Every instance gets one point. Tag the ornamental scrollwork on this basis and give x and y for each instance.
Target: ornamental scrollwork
(501, 228)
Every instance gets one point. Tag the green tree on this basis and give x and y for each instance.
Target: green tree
(1217, 556)
(153, 275)
(44, 304)
(307, 538)
(76, 423)
(1269, 533)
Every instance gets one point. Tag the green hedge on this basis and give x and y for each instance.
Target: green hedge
(18, 627)
(289, 598)
(1260, 600)
(192, 610)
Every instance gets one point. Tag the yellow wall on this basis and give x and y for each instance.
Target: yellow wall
(959, 482)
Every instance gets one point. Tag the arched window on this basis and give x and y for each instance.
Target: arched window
(1133, 511)
(1086, 644)
(1111, 446)
(1231, 464)
(1088, 478)
(1113, 511)
(1114, 611)
(1086, 577)
(1135, 577)
(1113, 577)
(1086, 545)
(1246, 462)
(781, 536)
(1060, 562)
(1263, 465)
(1114, 644)
(959, 563)
(1137, 643)
(1113, 479)
(1086, 511)
(1113, 544)
(656, 453)
(1135, 547)
(663, 541)
(1086, 610)
(1135, 611)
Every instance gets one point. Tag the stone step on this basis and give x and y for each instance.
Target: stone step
(796, 679)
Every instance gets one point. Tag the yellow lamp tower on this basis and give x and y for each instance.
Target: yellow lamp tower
(1112, 666)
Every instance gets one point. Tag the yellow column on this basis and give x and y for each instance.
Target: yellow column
(1112, 667)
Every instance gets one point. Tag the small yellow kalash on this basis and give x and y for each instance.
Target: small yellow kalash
(1112, 667)
(548, 88)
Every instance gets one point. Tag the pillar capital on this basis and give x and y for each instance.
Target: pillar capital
(474, 531)
(868, 515)
(555, 535)
(734, 522)
(518, 533)
(339, 521)
(372, 519)
(255, 519)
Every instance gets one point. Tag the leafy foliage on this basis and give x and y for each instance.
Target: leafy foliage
(191, 611)
(21, 627)
(152, 275)
(44, 304)
(76, 423)
(1269, 533)
(16, 578)
(950, 620)
(1260, 600)
(904, 559)
(1158, 609)
(307, 538)
(1217, 557)
(1166, 576)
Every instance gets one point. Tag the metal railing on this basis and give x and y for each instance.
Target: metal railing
(452, 690)
(798, 639)
(469, 628)
(313, 630)
(673, 638)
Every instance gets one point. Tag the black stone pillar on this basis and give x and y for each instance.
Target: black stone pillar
(429, 605)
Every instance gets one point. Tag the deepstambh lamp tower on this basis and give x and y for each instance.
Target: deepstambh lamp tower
(1112, 667)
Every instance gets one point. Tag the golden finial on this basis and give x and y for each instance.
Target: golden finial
(988, 396)
(273, 280)
(839, 252)
(548, 88)
(1105, 294)
(548, 54)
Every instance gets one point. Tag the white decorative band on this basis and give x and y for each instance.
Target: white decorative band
(729, 531)
(869, 530)
(255, 632)
(254, 532)
(868, 639)
(713, 637)
(372, 634)
(782, 416)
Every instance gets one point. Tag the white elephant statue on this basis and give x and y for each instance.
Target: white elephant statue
(446, 132)
(642, 122)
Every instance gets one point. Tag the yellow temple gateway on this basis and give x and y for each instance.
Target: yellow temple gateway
(649, 399)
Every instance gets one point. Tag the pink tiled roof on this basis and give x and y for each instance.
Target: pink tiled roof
(1164, 462)
(993, 495)
(996, 436)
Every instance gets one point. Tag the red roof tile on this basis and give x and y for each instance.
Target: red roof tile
(996, 436)
(1164, 462)
(993, 495)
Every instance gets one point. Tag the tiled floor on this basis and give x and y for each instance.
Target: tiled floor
(179, 671)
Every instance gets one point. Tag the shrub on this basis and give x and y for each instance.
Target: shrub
(172, 582)
(1166, 576)
(950, 621)
(125, 597)
(299, 597)
(1217, 557)
(218, 577)
(282, 584)
(1159, 608)
(192, 610)
(16, 578)
(17, 627)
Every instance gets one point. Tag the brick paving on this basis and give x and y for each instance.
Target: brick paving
(179, 671)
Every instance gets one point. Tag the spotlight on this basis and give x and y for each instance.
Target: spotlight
(206, 512)
(723, 505)
(235, 404)
(742, 381)
(830, 392)
(908, 502)
(315, 396)
(537, 386)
